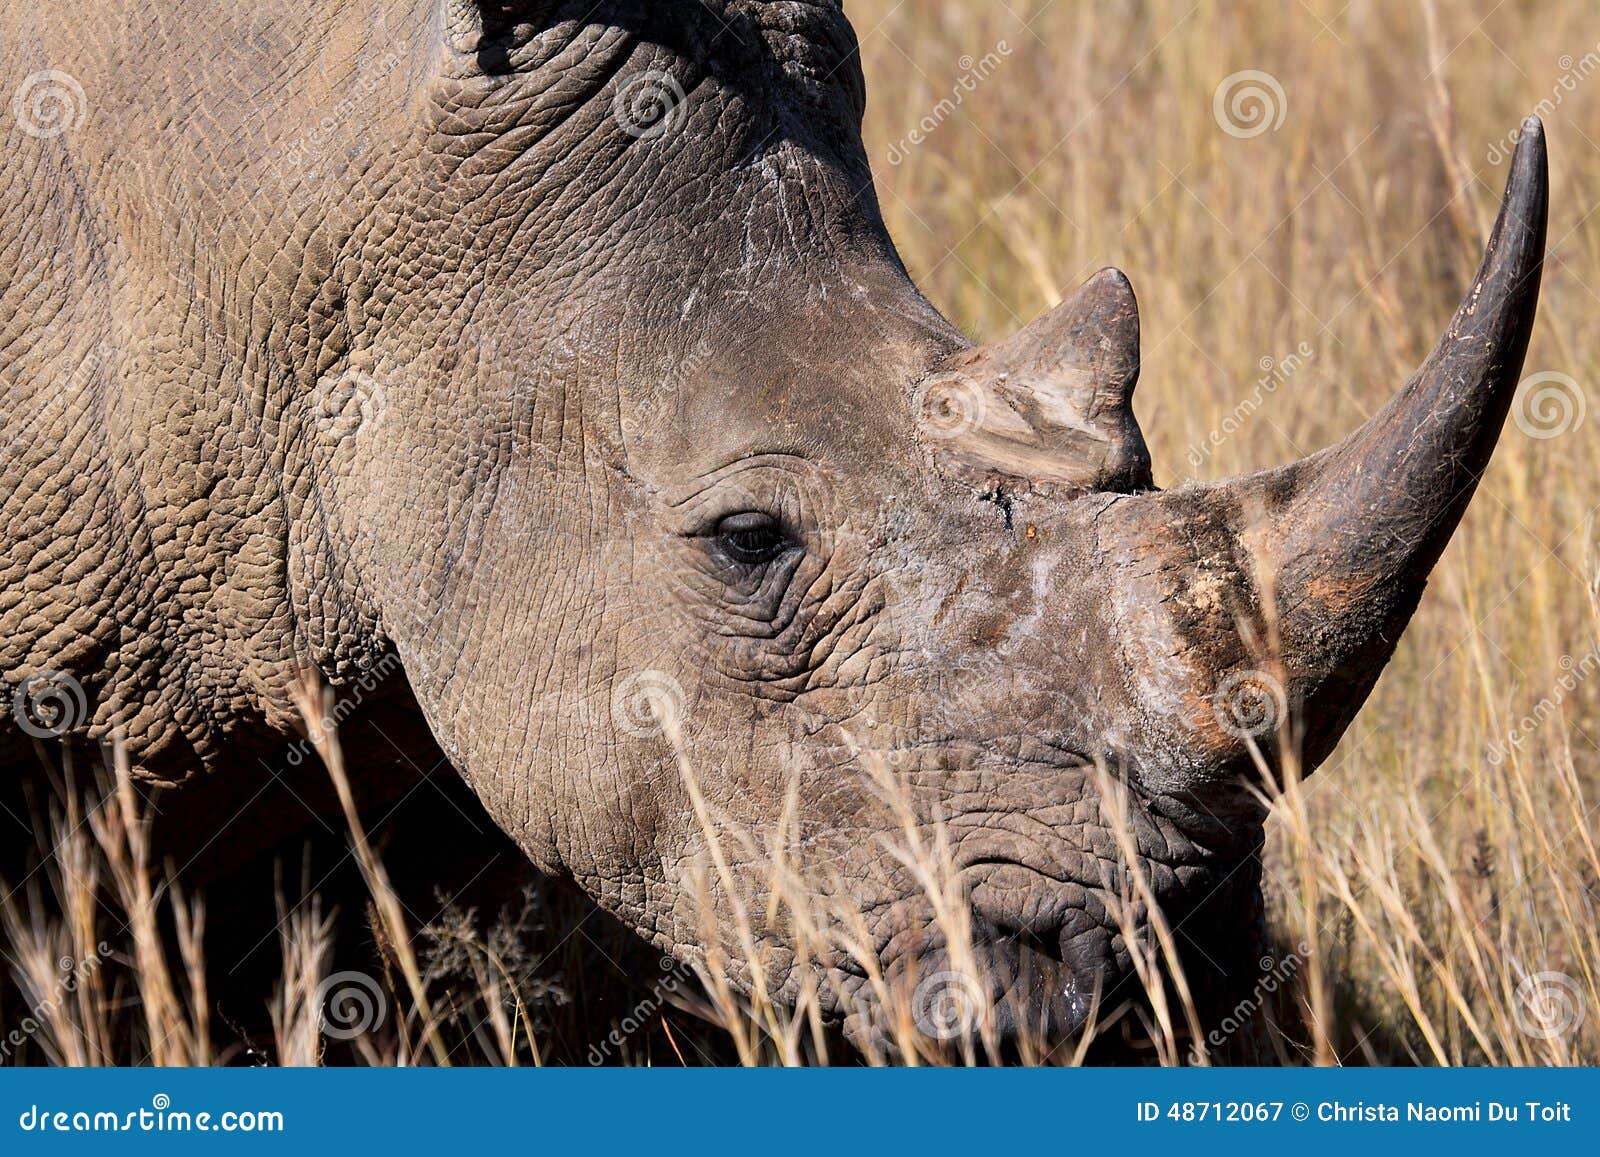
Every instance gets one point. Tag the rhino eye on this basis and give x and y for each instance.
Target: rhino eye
(752, 539)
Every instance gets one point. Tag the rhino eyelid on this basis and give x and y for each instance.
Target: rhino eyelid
(752, 538)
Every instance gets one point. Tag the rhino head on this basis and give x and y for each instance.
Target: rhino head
(697, 528)
(712, 551)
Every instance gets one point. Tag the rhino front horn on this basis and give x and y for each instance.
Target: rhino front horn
(1052, 404)
(1352, 532)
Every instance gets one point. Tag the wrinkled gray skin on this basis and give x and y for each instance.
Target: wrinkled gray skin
(341, 331)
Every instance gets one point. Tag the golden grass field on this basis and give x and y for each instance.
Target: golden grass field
(1434, 886)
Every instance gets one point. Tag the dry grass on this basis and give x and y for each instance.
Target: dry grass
(1432, 904)
(1430, 882)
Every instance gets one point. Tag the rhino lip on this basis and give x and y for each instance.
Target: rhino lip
(1035, 988)
(1050, 996)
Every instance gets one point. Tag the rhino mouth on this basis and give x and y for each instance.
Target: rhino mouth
(1060, 975)
(1015, 993)
(1050, 895)
(1046, 969)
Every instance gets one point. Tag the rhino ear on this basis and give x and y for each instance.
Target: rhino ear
(1052, 403)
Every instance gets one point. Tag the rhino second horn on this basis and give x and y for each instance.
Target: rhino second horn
(1052, 404)
(1353, 531)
